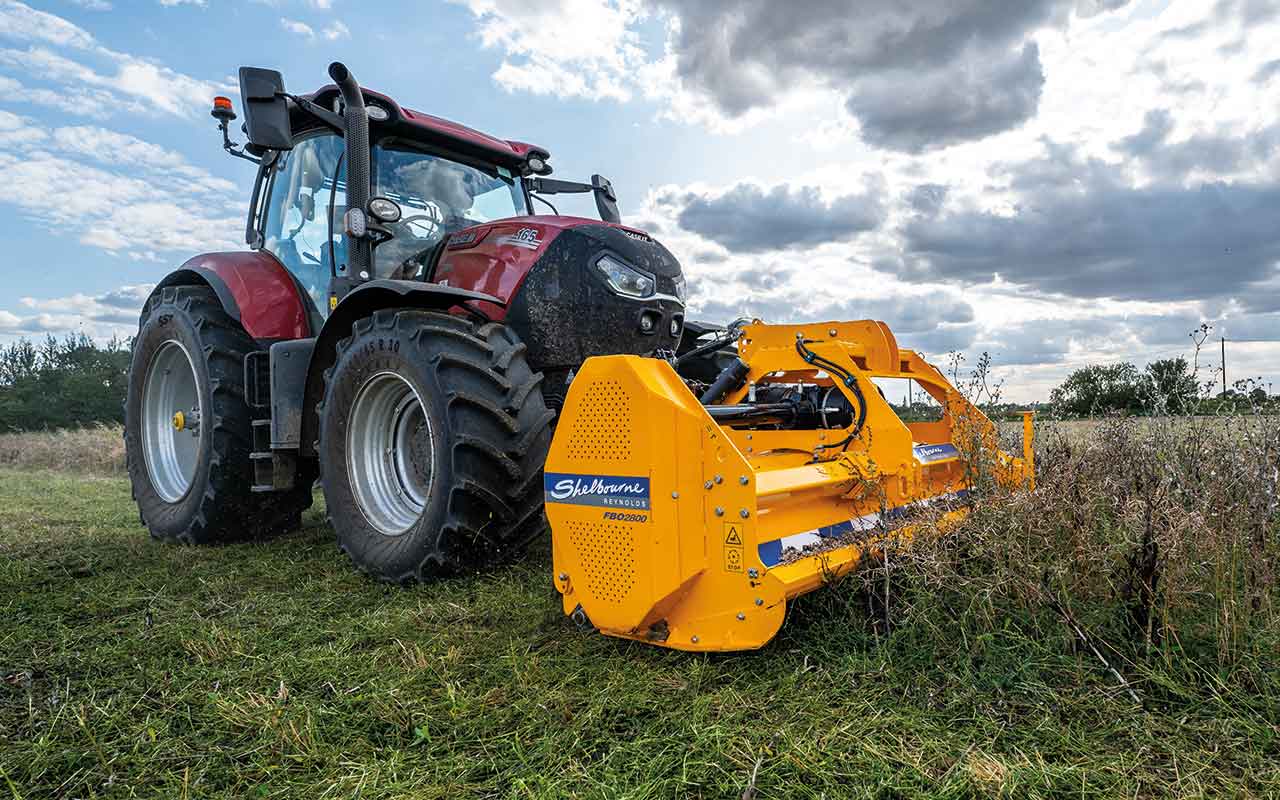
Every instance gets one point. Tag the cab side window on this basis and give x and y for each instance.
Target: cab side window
(296, 225)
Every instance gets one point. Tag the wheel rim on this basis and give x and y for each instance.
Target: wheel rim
(171, 415)
(390, 450)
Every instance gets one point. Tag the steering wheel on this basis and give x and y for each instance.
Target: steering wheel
(421, 226)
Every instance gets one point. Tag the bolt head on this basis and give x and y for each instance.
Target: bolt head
(759, 601)
(753, 573)
(675, 495)
(719, 479)
(719, 511)
(563, 576)
(743, 480)
(744, 513)
(741, 616)
(694, 639)
(706, 485)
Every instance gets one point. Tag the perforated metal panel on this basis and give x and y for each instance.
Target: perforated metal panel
(607, 554)
(602, 424)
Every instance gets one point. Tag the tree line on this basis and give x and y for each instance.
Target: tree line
(1167, 386)
(73, 382)
(62, 383)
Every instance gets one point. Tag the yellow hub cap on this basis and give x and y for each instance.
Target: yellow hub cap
(179, 421)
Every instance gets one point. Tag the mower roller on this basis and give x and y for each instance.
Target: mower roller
(689, 522)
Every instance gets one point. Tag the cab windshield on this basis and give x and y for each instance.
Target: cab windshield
(437, 197)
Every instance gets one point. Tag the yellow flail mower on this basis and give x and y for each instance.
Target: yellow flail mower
(689, 522)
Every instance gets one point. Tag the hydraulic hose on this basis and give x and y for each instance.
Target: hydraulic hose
(848, 379)
(356, 119)
(730, 378)
(754, 413)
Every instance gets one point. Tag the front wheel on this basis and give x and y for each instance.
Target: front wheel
(432, 440)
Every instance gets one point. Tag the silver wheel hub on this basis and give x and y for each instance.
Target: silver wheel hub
(390, 450)
(171, 417)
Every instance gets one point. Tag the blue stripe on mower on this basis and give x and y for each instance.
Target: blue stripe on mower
(770, 552)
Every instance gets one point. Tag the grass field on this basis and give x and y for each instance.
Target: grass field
(129, 668)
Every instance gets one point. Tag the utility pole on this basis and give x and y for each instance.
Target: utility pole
(1224, 365)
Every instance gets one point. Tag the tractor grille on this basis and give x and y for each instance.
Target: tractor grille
(607, 554)
(602, 424)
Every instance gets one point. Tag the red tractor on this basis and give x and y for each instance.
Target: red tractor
(403, 326)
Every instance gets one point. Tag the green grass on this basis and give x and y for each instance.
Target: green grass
(131, 668)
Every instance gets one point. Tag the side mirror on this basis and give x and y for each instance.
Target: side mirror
(266, 110)
(606, 200)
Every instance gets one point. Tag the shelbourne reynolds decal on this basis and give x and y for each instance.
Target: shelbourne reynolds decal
(929, 453)
(612, 491)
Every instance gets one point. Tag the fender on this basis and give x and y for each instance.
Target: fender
(361, 302)
(255, 290)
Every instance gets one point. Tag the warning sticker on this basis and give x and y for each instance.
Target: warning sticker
(733, 560)
(732, 547)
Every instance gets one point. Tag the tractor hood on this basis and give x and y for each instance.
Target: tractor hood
(547, 269)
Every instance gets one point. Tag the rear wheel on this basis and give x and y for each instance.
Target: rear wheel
(187, 427)
(433, 437)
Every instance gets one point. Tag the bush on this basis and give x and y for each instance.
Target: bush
(67, 383)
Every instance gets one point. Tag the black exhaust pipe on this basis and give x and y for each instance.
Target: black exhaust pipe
(359, 249)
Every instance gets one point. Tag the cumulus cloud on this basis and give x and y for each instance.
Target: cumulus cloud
(916, 74)
(128, 194)
(330, 33)
(749, 218)
(299, 28)
(1102, 338)
(1223, 152)
(60, 52)
(931, 322)
(111, 313)
(1078, 228)
(945, 107)
(598, 57)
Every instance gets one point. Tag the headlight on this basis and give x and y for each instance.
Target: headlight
(682, 288)
(624, 279)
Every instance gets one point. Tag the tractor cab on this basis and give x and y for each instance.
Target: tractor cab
(423, 197)
(428, 178)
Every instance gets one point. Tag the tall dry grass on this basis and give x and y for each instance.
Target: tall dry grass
(1147, 543)
(97, 450)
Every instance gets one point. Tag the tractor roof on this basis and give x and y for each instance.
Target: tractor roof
(443, 133)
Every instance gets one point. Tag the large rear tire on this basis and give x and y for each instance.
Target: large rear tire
(187, 427)
(433, 435)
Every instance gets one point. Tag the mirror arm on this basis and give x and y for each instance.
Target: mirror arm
(233, 147)
(321, 113)
(606, 200)
(553, 186)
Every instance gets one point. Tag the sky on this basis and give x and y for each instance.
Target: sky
(1053, 182)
